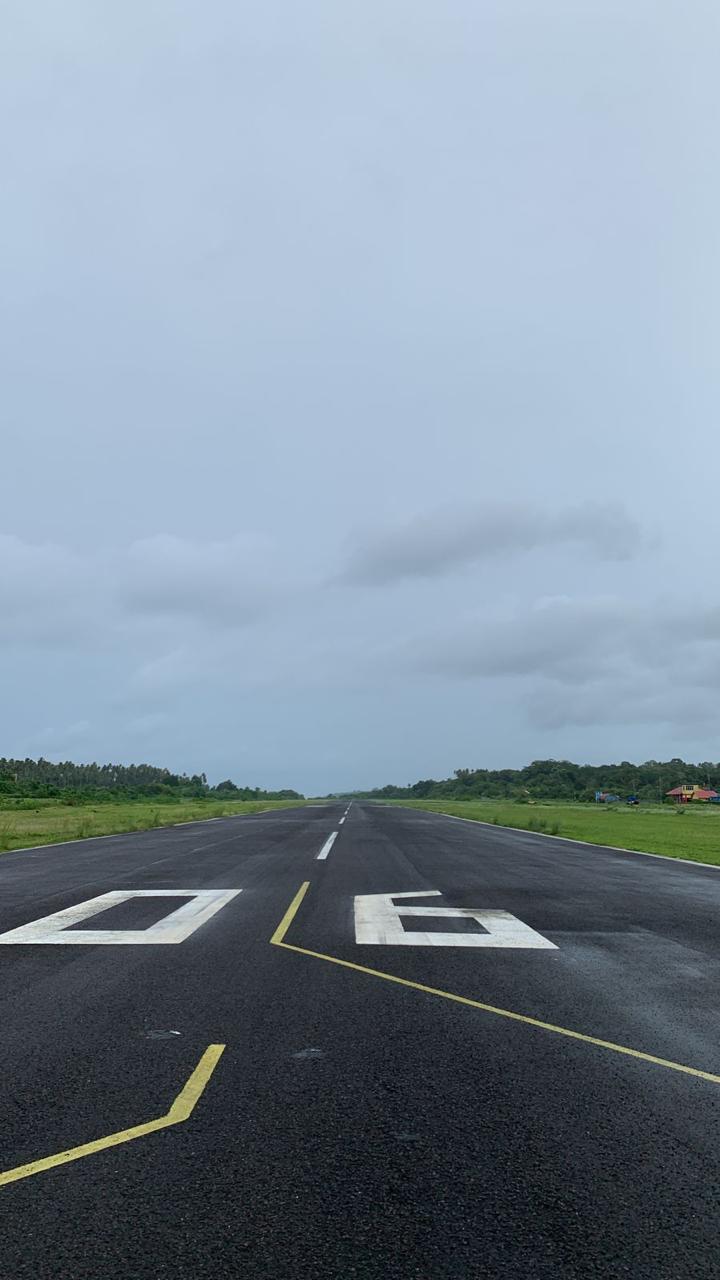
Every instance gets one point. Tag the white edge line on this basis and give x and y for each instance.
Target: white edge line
(320, 857)
(588, 844)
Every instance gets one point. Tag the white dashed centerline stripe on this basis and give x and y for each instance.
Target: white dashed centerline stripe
(327, 847)
(342, 820)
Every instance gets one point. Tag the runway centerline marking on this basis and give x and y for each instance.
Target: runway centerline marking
(56, 929)
(278, 940)
(322, 855)
(181, 1110)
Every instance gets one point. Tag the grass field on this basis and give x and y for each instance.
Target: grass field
(687, 831)
(50, 822)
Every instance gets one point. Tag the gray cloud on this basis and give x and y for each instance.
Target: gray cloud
(584, 661)
(626, 701)
(53, 595)
(45, 592)
(52, 735)
(444, 276)
(141, 726)
(565, 638)
(213, 582)
(442, 541)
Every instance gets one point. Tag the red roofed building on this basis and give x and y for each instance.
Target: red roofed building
(691, 791)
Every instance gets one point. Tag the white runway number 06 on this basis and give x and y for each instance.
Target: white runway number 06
(175, 927)
(379, 920)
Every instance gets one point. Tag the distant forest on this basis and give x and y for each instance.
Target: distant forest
(44, 778)
(558, 780)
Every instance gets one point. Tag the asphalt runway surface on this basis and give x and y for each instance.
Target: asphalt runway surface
(379, 1109)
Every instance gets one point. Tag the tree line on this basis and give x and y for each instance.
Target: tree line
(558, 780)
(47, 778)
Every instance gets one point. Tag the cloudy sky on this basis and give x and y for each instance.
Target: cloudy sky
(360, 390)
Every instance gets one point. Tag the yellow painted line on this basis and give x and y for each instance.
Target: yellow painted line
(278, 940)
(289, 916)
(180, 1110)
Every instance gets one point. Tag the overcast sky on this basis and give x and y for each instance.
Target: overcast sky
(360, 388)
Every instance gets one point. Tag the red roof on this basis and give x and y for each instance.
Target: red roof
(702, 793)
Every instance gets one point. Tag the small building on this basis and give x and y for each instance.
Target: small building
(691, 791)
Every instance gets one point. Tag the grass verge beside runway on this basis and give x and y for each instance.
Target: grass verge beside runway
(51, 822)
(688, 831)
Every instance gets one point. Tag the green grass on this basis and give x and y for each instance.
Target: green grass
(50, 822)
(687, 831)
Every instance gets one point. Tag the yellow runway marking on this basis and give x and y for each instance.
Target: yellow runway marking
(278, 940)
(180, 1110)
(290, 914)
